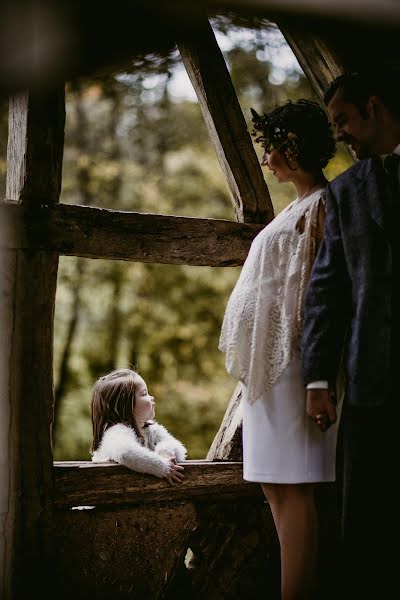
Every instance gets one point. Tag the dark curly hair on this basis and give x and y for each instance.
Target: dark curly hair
(299, 130)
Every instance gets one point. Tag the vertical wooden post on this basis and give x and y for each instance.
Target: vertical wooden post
(28, 287)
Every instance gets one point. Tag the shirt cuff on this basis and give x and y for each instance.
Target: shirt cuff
(321, 385)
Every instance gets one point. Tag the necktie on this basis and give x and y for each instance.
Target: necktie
(391, 166)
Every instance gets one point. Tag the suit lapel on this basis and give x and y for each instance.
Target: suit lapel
(369, 187)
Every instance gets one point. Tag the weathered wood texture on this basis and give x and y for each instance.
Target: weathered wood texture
(326, 49)
(87, 483)
(122, 553)
(136, 537)
(226, 125)
(102, 233)
(319, 63)
(8, 505)
(140, 27)
(235, 552)
(338, 13)
(35, 147)
(319, 58)
(227, 444)
(138, 552)
(28, 280)
(324, 54)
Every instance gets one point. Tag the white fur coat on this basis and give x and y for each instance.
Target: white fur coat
(121, 445)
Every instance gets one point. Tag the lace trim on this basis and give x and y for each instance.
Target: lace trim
(263, 320)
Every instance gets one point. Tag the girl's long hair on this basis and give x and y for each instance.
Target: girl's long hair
(113, 400)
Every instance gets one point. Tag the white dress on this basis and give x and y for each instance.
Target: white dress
(260, 336)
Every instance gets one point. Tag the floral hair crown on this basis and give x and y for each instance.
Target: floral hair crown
(277, 137)
(299, 130)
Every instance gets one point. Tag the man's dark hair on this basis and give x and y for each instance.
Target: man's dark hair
(358, 87)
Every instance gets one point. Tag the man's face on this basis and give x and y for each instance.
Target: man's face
(351, 127)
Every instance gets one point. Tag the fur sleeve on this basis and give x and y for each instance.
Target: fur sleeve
(165, 441)
(120, 444)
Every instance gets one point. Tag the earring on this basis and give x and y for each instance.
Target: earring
(291, 160)
(291, 154)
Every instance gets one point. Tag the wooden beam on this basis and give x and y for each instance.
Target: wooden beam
(226, 125)
(320, 55)
(91, 484)
(227, 444)
(319, 63)
(103, 233)
(385, 13)
(323, 54)
(141, 27)
(35, 150)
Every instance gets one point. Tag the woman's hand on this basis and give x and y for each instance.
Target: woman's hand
(320, 407)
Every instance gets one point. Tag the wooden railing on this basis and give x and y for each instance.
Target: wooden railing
(136, 537)
(101, 484)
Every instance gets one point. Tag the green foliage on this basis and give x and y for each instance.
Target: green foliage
(170, 317)
(129, 146)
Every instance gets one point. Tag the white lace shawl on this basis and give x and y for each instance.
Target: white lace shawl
(263, 320)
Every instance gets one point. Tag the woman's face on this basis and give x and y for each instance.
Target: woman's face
(143, 409)
(276, 162)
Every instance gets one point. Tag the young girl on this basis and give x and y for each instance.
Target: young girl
(124, 430)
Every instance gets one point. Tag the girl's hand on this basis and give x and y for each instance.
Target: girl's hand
(174, 473)
(166, 454)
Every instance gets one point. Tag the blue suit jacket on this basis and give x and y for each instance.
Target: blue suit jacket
(348, 301)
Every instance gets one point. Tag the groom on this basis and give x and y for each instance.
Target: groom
(352, 310)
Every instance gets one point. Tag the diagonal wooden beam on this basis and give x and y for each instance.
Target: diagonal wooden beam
(226, 125)
(321, 56)
(319, 62)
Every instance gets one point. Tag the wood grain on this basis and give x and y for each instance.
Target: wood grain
(102, 233)
(87, 483)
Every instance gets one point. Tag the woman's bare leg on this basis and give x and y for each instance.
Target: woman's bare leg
(295, 517)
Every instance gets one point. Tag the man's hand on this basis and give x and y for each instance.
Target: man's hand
(320, 407)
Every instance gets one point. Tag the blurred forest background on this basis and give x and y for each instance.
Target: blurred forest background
(136, 141)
